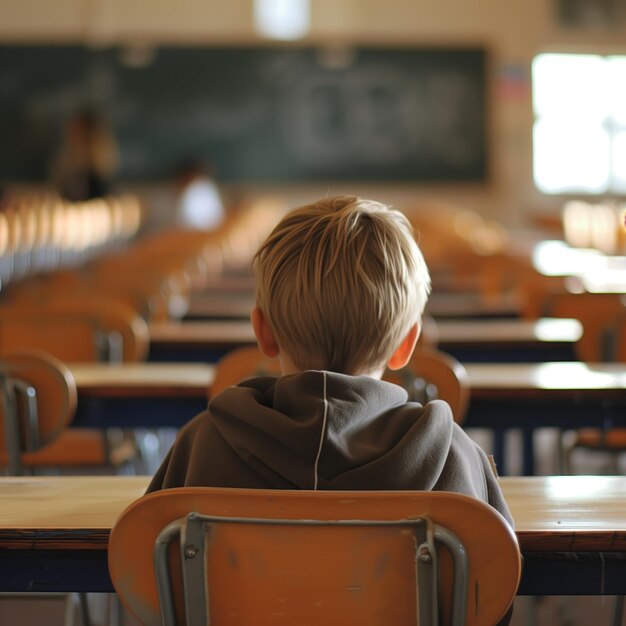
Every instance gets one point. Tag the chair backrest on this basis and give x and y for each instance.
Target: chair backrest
(76, 329)
(598, 314)
(38, 402)
(619, 339)
(242, 363)
(251, 556)
(432, 374)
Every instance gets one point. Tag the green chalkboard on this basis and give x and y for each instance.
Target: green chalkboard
(258, 114)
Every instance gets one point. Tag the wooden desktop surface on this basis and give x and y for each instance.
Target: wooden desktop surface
(214, 333)
(239, 305)
(559, 513)
(598, 272)
(222, 305)
(203, 333)
(142, 379)
(502, 396)
(485, 379)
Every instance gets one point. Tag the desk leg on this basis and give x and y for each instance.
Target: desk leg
(528, 446)
(499, 450)
(618, 611)
(528, 451)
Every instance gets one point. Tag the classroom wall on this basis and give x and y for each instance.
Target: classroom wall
(512, 31)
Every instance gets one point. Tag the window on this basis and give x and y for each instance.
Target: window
(579, 136)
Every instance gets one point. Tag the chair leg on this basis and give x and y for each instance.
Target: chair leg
(116, 611)
(84, 609)
(70, 609)
(564, 453)
(564, 611)
(618, 611)
(530, 612)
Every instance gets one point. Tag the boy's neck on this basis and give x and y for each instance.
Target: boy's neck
(287, 367)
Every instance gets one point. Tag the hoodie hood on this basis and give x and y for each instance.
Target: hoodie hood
(319, 429)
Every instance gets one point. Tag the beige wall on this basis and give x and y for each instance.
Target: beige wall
(513, 31)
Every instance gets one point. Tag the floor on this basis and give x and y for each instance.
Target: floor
(547, 611)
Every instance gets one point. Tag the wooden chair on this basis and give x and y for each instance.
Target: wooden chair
(432, 374)
(38, 403)
(612, 441)
(241, 556)
(76, 329)
(69, 331)
(619, 338)
(240, 364)
(599, 315)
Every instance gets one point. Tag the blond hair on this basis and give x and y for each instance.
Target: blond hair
(341, 282)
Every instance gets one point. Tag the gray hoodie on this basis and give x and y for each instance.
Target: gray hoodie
(324, 430)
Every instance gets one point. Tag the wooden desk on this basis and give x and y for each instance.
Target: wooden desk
(467, 340)
(54, 532)
(124, 380)
(239, 284)
(598, 272)
(220, 306)
(545, 395)
(503, 396)
(132, 395)
(472, 305)
(440, 305)
(198, 340)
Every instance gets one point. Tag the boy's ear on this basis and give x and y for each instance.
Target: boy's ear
(404, 351)
(263, 332)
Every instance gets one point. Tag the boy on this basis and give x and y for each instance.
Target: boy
(341, 287)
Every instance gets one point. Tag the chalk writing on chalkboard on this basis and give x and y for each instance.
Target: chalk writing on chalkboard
(258, 114)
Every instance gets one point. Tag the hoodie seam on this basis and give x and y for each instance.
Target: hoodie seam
(319, 449)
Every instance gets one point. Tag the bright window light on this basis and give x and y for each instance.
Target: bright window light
(617, 95)
(579, 137)
(282, 19)
(570, 85)
(570, 161)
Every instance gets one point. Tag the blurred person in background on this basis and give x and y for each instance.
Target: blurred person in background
(200, 204)
(87, 159)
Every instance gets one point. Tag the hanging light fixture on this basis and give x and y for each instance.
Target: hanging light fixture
(282, 19)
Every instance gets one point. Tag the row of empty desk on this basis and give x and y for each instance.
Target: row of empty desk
(547, 339)
(503, 397)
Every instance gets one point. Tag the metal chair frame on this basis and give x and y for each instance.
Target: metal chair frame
(192, 532)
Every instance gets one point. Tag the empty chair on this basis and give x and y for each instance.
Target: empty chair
(432, 374)
(619, 338)
(38, 403)
(238, 556)
(611, 441)
(242, 363)
(598, 313)
(76, 329)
